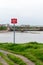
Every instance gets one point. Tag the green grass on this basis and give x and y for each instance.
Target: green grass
(6, 59)
(16, 59)
(32, 50)
(11, 59)
(1, 64)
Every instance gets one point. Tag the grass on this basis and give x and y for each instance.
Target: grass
(6, 59)
(16, 59)
(1, 64)
(11, 59)
(32, 50)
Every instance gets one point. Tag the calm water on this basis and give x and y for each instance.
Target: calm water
(21, 37)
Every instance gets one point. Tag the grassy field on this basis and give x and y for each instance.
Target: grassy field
(6, 59)
(11, 59)
(16, 59)
(0, 63)
(32, 50)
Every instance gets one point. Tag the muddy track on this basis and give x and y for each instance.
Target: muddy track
(27, 61)
(3, 61)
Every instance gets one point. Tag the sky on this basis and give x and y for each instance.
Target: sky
(28, 12)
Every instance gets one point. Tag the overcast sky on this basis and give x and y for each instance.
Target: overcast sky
(26, 11)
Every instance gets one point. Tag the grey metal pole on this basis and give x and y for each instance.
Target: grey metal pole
(14, 33)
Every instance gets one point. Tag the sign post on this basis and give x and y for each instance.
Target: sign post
(14, 33)
(14, 21)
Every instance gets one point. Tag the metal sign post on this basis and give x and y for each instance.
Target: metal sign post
(14, 33)
(14, 21)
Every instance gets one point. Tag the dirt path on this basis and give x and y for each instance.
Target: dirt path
(3, 61)
(28, 62)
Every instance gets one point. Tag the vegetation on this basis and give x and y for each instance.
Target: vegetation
(11, 59)
(3, 28)
(32, 50)
(16, 59)
(6, 59)
(1, 64)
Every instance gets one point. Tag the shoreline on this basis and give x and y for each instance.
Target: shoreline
(32, 32)
(3, 31)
